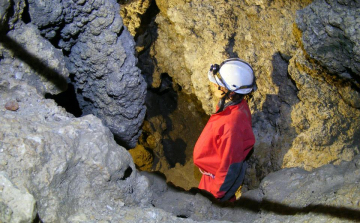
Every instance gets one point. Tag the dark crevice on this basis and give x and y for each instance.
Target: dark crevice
(182, 216)
(147, 19)
(127, 173)
(34, 62)
(37, 219)
(120, 32)
(356, 85)
(55, 40)
(230, 47)
(67, 100)
(26, 15)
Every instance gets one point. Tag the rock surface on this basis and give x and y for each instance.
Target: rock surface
(76, 172)
(132, 13)
(325, 123)
(15, 205)
(69, 165)
(331, 36)
(327, 194)
(34, 58)
(100, 57)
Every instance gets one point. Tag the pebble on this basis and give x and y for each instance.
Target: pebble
(12, 106)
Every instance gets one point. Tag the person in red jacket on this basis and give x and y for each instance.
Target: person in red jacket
(227, 138)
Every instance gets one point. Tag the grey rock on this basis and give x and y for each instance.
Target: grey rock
(4, 6)
(69, 165)
(15, 205)
(18, 7)
(331, 35)
(101, 58)
(34, 59)
(325, 194)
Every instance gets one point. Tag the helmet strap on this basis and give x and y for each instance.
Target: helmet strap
(235, 101)
(222, 101)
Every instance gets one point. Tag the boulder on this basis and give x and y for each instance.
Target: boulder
(331, 36)
(70, 165)
(15, 205)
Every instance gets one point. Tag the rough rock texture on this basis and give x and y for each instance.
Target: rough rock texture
(143, 159)
(67, 164)
(4, 6)
(331, 35)
(132, 12)
(326, 125)
(15, 205)
(71, 166)
(187, 45)
(327, 194)
(100, 56)
(288, 119)
(34, 59)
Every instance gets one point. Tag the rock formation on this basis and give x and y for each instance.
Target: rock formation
(331, 36)
(99, 54)
(16, 205)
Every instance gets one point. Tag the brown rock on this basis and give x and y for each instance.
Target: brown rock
(12, 106)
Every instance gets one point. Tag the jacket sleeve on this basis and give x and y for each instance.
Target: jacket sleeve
(232, 149)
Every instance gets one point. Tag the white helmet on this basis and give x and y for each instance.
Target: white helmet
(234, 74)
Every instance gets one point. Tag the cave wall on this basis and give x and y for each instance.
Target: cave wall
(305, 57)
(90, 48)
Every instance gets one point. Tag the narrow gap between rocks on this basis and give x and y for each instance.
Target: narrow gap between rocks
(67, 100)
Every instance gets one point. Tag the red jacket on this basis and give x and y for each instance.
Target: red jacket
(222, 148)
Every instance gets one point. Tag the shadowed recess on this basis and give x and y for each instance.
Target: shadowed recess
(35, 63)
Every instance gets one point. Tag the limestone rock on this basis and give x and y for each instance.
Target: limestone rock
(331, 36)
(16, 15)
(324, 123)
(4, 6)
(34, 58)
(100, 56)
(261, 33)
(132, 11)
(191, 35)
(173, 121)
(142, 158)
(220, 30)
(15, 205)
(48, 17)
(327, 194)
(69, 165)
